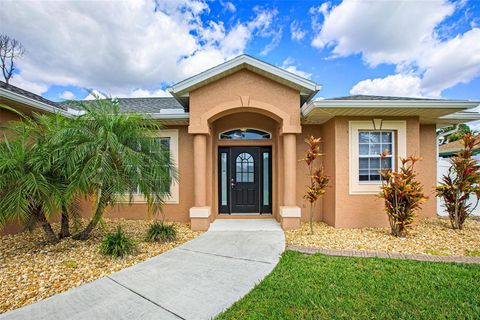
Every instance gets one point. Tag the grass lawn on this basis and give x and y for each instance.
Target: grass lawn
(323, 287)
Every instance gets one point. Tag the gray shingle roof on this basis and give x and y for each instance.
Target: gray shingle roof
(30, 95)
(371, 97)
(141, 105)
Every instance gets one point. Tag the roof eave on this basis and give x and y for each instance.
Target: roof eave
(459, 104)
(32, 102)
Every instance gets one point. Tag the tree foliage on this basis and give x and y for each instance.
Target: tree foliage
(48, 163)
(462, 129)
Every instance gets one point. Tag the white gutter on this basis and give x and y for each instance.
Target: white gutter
(32, 102)
(169, 116)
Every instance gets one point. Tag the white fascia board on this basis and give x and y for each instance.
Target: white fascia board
(244, 59)
(32, 102)
(462, 116)
(414, 104)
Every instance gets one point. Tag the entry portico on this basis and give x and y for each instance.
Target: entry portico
(251, 96)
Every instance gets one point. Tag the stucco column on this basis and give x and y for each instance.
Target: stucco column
(290, 213)
(200, 169)
(290, 169)
(200, 213)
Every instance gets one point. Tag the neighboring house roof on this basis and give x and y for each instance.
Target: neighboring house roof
(28, 98)
(449, 149)
(307, 87)
(430, 111)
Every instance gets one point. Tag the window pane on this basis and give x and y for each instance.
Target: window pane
(387, 147)
(363, 137)
(266, 181)
(223, 170)
(363, 175)
(363, 150)
(363, 164)
(375, 149)
(245, 134)
(374, 175)
(374, 137)
(387, 163)
(372, 144)
(375, 163)
(387, 137)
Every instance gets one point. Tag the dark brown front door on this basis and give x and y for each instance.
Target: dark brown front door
(245, 180)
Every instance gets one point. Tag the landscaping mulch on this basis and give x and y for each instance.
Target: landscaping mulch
(428, 236)
(31, 271)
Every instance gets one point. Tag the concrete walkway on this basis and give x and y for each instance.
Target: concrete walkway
(196, 280)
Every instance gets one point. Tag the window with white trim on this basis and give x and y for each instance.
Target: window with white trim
(370, 145)
(366, 142)
(165, 143)
(168, 138)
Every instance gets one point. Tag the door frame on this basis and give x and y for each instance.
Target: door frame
(227, 209)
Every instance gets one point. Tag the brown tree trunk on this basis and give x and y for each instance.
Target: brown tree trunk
(46, 226)
(101, 204)
(65, 224)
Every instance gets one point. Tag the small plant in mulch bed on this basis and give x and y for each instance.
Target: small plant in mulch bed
(159, 231)
(117, 244)
(402, 194)
(461, 181)
(318, 179)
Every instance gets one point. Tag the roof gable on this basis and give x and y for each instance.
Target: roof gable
(306, 87)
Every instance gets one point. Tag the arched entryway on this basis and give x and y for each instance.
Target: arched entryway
(274, 183)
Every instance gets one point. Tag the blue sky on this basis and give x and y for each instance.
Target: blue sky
(138, 48)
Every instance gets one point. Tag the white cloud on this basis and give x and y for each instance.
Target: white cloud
(67, 95)
(125, 46)
(452, 62)
(228, 6)
(35, 87)
(399, 85)
(288, 64)
(383, 31)
(296, 31)
(400, 33)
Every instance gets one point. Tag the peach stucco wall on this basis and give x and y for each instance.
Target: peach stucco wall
(345, 210)
(173, 212)
(246, 99)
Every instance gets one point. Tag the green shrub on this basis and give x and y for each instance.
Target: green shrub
(162, 232)
(117, 244)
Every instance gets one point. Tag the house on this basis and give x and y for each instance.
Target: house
(449, 149)
(236, 132)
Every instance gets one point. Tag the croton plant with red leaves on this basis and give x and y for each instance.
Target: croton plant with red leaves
(402, 194)
(461, 181)
(318, 178)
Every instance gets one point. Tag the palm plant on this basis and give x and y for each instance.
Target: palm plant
(110, 155)
(27, 191)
